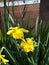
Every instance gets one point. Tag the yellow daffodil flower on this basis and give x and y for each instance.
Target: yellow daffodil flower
(28, 45)
(3, 59)
(17, 32)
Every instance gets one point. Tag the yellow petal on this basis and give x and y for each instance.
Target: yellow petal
(10, 32)
(3, 55)
(5, 60)
(24, 30)
(22, 43)
(18, 35)
(13, 28)
(0, 56)
(29, 40)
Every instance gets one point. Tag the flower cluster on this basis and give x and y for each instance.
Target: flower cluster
(27, 45)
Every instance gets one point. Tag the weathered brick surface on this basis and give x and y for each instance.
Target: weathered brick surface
(32, 11)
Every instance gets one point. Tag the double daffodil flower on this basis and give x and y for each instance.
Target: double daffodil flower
(28, 45)
(16, 32)
(3, 59)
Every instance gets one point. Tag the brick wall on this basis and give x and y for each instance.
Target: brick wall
(32, 11)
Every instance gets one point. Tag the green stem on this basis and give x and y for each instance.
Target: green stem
(1, 50)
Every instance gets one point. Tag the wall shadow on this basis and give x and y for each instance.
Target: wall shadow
(44, 10)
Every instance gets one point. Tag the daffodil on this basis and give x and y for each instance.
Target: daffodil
(3, 59)
(17, 32)
(28, 45)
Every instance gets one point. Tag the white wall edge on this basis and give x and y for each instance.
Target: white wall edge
(17, 3)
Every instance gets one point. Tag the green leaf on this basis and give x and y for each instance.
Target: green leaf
(27, 22)
(36, 26)
(12, 59)
(0, 34)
